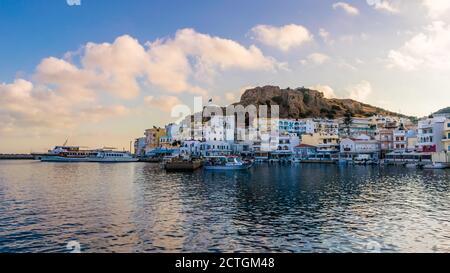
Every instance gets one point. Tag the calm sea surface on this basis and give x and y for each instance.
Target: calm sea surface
(138, 207)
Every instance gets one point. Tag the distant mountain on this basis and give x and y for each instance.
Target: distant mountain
(443, 111)
(306, 103)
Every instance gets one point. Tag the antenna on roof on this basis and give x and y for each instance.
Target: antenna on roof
(65, 143)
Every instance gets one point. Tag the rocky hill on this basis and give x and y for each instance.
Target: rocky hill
(307, 103)
(443, 111)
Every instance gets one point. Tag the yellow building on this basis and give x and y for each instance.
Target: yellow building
(326, 143)
(153, 136)
(412, 143)
(446, 138)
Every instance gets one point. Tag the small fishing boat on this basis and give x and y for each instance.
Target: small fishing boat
(295, 160)
(435, 166)
(411, 165)
(226, 163)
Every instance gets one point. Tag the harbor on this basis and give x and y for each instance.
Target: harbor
(224, 134)
(140, 207)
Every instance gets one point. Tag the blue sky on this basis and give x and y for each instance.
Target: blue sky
(389, 53)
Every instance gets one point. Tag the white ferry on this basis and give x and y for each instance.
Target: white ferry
(75, 154)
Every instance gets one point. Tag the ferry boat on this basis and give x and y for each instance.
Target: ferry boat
(225, 163)
(75, 154)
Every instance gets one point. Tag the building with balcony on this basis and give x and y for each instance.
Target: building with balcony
(446, 138)
(430, 133)
(351, 148)
(357, 127)
(215, 148)
(400, 140)
(386, 139)
(325, 143)
(304, 151)
(296, 126)
(219, 128)
(153, 137)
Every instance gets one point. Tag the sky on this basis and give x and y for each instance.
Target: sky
(99, 72)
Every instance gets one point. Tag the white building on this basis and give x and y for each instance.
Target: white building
(286, 146)
(308, 126)
(190, 148)
(288, 142)
(296, 126)
(357, 127)
(430, 132)
(361, 145)
(326, 126)
(219, 128)
(215, 148)
(173, 132)
(400, 140)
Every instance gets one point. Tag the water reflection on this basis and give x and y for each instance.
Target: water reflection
(301, 208)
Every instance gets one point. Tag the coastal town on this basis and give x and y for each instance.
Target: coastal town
(354, 140)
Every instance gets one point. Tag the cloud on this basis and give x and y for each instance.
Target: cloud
(64, 93)
(327, 91)
(384, 5)
(359, 92)
(232, 97)
(349, 9)
(120, 64)
(326, 36)
(427, 49)
(284, 38)
(316, 58)
(38, 108)
(163, 103)
(437, 8)
(73, 83)
(170, 66)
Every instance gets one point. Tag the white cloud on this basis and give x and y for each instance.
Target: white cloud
(437, 8)
(65, 93)
(316, 58)
(384, 5)
(232, 97)
(38, 108)
(283, 38)
(349, 9)
(326, 36)
(428, 49)
(327, 91)
(170, 66)
(120, 64)
(359, 92)
(163, 103)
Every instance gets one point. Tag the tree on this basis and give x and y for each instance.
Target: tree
(348, 121)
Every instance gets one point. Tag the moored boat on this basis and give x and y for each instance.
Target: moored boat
(226, 163)
(181, 165)
(75, 154)
(436, 166)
